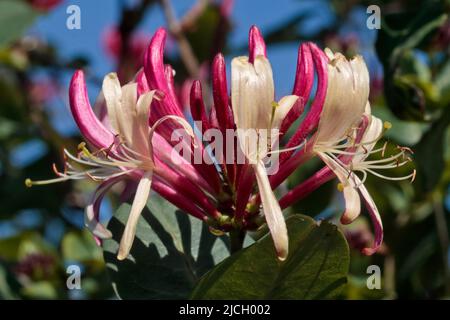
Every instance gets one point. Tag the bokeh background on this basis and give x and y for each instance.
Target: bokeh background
(41, 229)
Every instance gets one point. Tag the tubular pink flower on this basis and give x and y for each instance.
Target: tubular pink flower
(134, 145)
(90, 127)
(304, 79)
(165, 154)
(222, 112)
(142, 84)
(306, 187)
(156, 76)
(256, 44)
(220, 94)
(197, 106)
(244, 190)
(181, 201)
(169, 73)
(311, 120)
(185, 186)
(226, 7)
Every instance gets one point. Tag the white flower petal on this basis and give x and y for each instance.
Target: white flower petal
(283, 108)
(369, 140)
(252, 92)
(252, 95)
(347, 95)
(112, 92)
(272, 212)
(91, 211)
(141, 139)
(139, 202)
(126, 114)
(350, 191)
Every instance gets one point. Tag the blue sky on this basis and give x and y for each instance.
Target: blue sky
(97, 15)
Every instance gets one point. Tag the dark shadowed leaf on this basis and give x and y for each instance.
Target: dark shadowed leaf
(402, 32)
(316, 267)
(170, 253)
(432, 143)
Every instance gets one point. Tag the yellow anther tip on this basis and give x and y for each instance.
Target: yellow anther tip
(28, 183)
(387, 125)
(340, 187)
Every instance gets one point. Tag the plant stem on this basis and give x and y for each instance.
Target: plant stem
(187, 55)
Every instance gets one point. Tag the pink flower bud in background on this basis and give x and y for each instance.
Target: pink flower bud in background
(42, 91)
(44, 5)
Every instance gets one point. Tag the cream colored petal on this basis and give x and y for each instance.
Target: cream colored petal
(139, 202)
(97, 229)
(272, 212)
(252, 95)
(369, 140)
(347, 95)
(350, 191)
(141, 129)
(252, 92)
(282, 109)
(126, 115)
(112, 92)
(91, 211)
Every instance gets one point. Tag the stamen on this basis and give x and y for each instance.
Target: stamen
(288, 149)
(29, 183)
(391, 158)
(383, 149)
(410, 176)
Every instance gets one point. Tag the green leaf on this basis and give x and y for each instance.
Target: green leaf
(80, 247)
(40, 290)
(429, 152)
(407, 93)
(170, 253)
(403, 132)
(20, 246)
(8, 284)
(15, 18)
(316, 267)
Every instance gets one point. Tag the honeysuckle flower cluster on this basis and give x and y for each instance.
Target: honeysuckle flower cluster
(132, 141)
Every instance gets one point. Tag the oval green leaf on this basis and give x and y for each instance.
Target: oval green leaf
(316, 267)
(171, 251)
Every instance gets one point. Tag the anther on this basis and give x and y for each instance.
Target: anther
(387, 125)
(28, 183)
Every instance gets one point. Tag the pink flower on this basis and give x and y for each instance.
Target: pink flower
(131, 141)
(112, 43)
(42, 91)
(125, 150)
